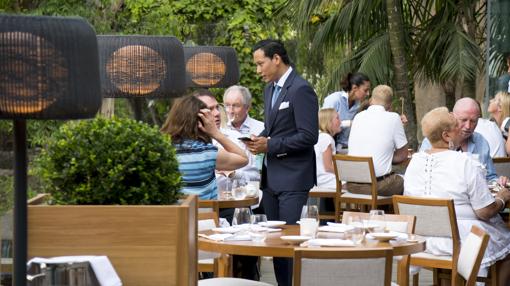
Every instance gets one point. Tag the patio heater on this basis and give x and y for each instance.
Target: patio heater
(141, 67)
(211, 66)
(48, 70)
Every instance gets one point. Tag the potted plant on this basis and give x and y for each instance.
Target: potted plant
(114, 186)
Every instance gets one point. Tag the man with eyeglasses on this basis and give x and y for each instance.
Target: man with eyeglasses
(208, 98)
(237, 103)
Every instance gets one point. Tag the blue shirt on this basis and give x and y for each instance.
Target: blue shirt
(197, 161)
(340, 102)
(476, 145)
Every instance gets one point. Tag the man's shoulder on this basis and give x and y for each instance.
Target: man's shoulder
(478, 139)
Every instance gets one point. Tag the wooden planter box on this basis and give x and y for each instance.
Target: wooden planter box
(147, 245)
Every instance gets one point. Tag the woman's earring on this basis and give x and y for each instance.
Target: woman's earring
(451, 146)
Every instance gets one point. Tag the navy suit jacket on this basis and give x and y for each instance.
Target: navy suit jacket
(293, 128)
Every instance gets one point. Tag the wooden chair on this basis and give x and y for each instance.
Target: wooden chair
(208, 218)
(355, 169)
(502, 166)
(434, 217)
(227, 281)
(470, 257)
(394, 222)
(342, 267)
(323, 193)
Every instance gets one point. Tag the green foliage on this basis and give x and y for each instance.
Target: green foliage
(109, 161)
(6, 194)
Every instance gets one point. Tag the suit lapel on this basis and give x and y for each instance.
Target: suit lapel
(272, 113)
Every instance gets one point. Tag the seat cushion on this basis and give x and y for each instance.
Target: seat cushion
(361, 196)
(227, 281)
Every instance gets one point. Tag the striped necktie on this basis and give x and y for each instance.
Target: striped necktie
(276, 93)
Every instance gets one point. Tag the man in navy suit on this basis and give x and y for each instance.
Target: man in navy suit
(291, 131)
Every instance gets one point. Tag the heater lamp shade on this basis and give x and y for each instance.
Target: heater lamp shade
(49, 68)
(211, 66)
(141, 66)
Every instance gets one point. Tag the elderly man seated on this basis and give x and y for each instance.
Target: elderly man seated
(378, 133)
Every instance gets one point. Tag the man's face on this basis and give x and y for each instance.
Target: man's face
(212, 104)
(267, 67)
(467, 118)
(236, 110)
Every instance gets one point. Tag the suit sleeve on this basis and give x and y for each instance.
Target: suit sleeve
(306, 107)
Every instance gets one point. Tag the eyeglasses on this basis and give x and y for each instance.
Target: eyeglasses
(233, 106)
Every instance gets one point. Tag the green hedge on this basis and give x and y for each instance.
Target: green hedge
(109, 161)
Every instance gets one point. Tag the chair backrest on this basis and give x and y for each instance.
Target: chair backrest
(342, 267)
(354, 169)
(398, 223)
(470, 256)
(208, 214)
(502, 166)
(434, 217)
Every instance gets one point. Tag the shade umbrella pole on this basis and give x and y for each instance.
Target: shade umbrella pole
(20, 203)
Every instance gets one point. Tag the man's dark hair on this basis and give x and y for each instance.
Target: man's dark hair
(203, 92)
(272, 47)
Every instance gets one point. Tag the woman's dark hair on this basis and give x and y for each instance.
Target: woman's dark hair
(353, 79)
(271, 47)
(182, 120)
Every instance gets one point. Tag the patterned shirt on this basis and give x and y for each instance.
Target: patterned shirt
(197, 161)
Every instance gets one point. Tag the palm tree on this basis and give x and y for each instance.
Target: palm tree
(397, 41)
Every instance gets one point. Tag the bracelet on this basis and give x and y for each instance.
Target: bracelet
(503, 202)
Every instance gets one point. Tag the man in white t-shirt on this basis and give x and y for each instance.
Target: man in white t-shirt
(378, 133)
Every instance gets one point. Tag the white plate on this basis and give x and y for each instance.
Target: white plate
(382, 236)
(226, 229)
(272, 223)
(295, 238)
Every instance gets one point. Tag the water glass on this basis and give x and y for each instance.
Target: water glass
(310, 211)
(376, 221)
(259, 233)
(225, 189)
(238, 189)
(242, 216)
(309, 220)
(357, 234)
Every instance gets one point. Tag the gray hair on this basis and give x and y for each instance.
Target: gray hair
(245, 94)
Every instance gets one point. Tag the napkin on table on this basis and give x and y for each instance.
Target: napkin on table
(329, 242)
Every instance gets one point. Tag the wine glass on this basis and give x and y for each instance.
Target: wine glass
(376, 221)
(242, 216)
(309, 220)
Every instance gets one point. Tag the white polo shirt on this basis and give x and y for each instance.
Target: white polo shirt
(377, 133)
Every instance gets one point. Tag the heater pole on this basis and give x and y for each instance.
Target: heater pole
(20, 203)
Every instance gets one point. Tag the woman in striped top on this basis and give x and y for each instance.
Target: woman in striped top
(198, 157)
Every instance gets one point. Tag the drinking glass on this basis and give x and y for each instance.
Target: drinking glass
(238, 189)
(242, 216)
(376, 221)
(225, 189)
(259, 232)
(357, 234)
(309, 220)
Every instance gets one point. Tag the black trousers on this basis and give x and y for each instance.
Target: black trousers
(284, 206)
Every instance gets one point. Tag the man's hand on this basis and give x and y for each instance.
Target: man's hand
(257, 145)
(503, 181)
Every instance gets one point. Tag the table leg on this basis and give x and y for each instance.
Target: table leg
(403, 271)
(225, 265)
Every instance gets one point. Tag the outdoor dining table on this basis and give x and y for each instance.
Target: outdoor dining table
(276, 247)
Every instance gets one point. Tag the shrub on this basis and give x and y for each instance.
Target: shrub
(109, 161)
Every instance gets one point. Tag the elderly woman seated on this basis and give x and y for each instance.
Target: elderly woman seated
(440, 172)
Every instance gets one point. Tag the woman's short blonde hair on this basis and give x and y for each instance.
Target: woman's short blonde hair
(435, 122)
(503, 99)
(326, 115)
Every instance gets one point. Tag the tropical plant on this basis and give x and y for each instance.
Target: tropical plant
(109, 161)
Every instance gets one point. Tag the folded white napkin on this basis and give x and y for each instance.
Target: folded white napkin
(263, 228)
(329, 242)
(399, 235)
(226, 236)
(105, 273)
(335, 227)
(229, 229)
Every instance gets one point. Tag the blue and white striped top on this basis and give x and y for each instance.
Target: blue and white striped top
(197, 161)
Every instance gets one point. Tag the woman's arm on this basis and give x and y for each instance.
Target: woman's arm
(327, 160)
(502, 197)
(229, 158)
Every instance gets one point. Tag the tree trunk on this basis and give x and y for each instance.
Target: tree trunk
(401, 80)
